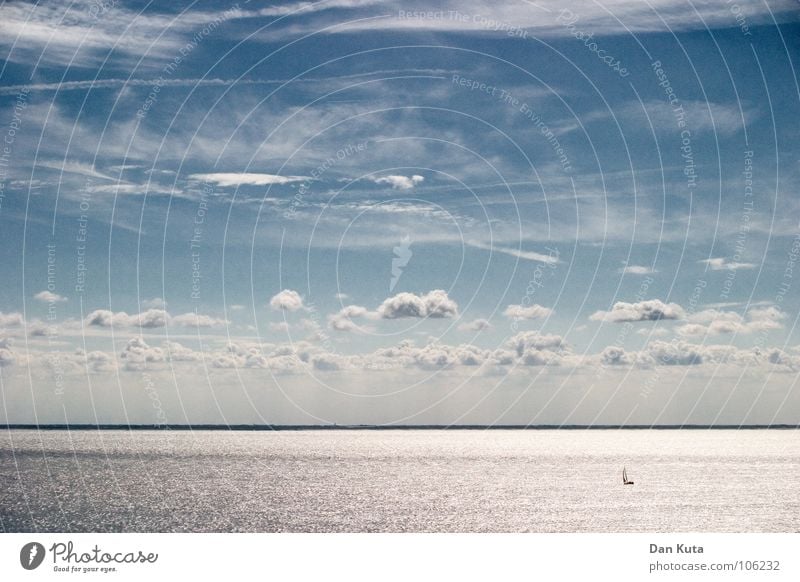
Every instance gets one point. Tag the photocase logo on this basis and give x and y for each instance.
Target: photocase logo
(31, 555)
(402, 254)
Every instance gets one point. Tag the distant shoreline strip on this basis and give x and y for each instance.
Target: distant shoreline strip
(307, 427)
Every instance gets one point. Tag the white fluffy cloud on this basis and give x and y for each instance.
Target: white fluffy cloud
(526, 349)
(761, 318)
(400, 182)
(534, 340)
(137, 354)
(49, 297)
(343, 319)
(95, 361)
(475, 325)
(434, 304)
(197, 320)
(150, 319)
(616, 356)
(533, 311)
(7, 356)
(537, 349)
(675, 353)
(715, 322)
(11, 319)
(287, 300)
(681, 353)
(650, 310)
(280, 359)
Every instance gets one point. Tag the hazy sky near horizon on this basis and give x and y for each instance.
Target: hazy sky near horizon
(400, 212)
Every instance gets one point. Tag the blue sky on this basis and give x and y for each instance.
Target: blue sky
(399, 212)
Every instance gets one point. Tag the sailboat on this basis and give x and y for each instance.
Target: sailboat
(625, 480)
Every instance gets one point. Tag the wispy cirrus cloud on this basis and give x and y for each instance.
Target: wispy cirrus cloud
(637, 270)
(246, 179)
(124, 83)
(550, 258)
(540, 19)
(723, 264)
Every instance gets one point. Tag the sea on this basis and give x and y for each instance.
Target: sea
(400, 481)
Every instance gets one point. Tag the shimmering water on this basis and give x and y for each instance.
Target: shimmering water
(418, 481)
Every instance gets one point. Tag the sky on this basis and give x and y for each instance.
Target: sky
(361, 212)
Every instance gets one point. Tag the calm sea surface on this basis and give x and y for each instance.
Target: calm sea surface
(394, 481)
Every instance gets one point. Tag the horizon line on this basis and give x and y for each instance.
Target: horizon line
(298, 427)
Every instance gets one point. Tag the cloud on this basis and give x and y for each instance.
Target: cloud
(527, 340)
(285, 359)
(433, 356)
(95, 361)
(617, 356)
(721, 118)
(621, 17)
(527, 349)
(653, 332)
(176, 352)
(342, 320)
(660, 353)
(536, 349)
(475, 325)
(715, 322)
(246, 179)
(550, 259)
(637, 270)
(650, 310)
(150, 319)
(533, 311)
(400, 182)
(722, 264)
(762, 318)
(11, 319)
(326, 362)
(434, 304)
(675, 353)
(126, 83)
(137, 354)
(80, 32)
(197, 320)
(287, 300)
(7, 356)
(147, 319)
(49, 297)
